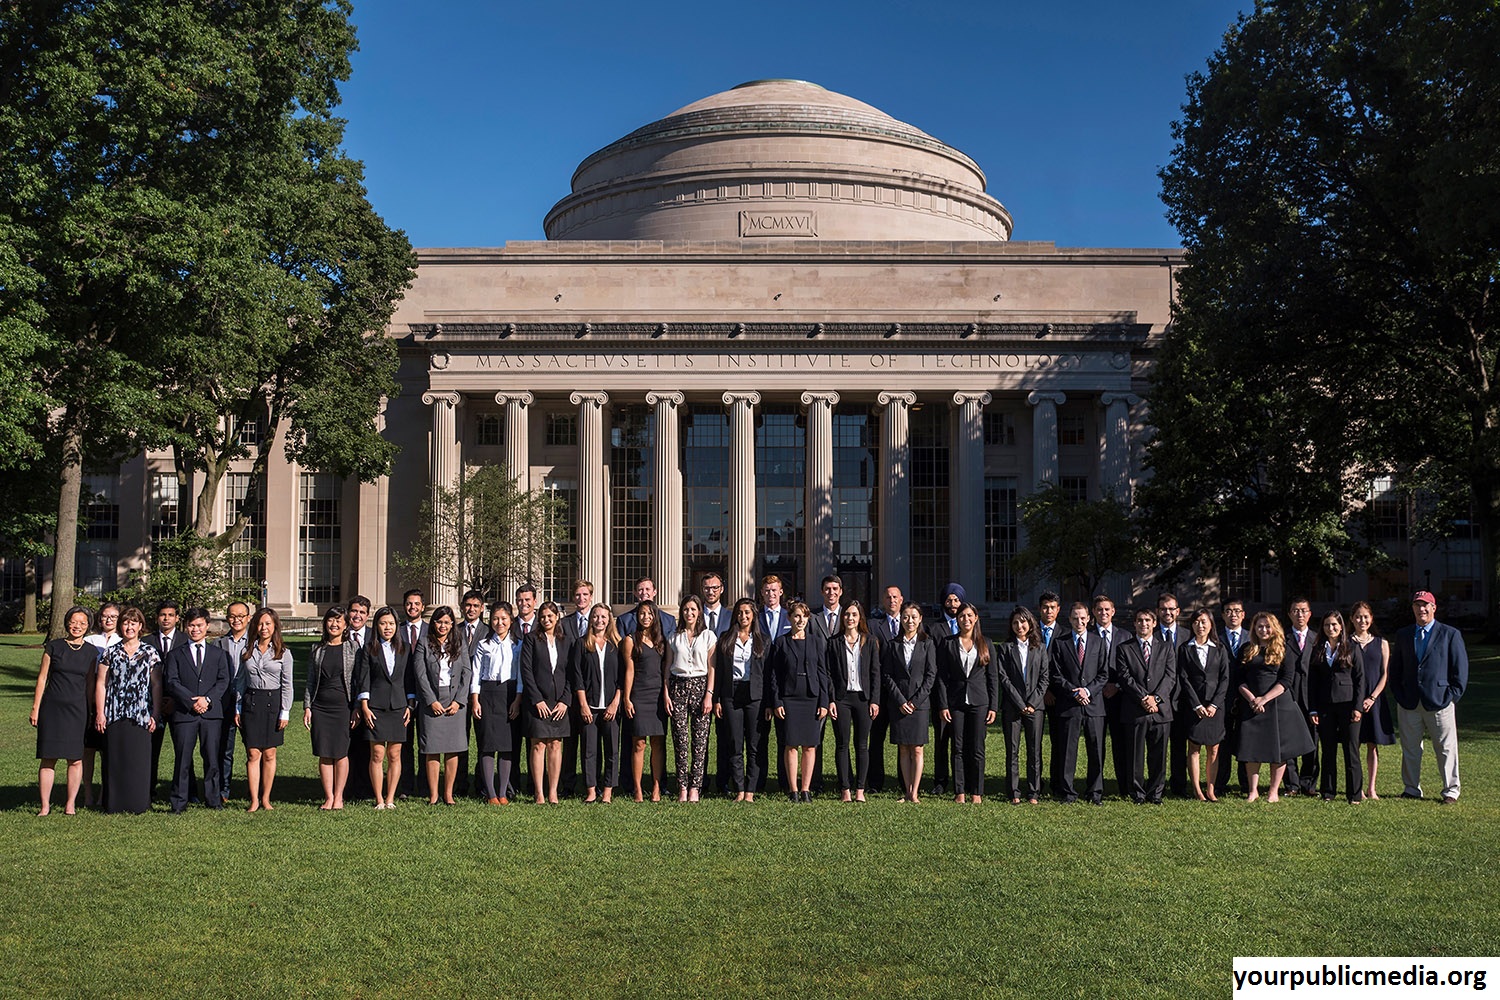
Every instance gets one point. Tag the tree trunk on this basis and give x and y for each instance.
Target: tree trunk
(65, 563)
(28, 606)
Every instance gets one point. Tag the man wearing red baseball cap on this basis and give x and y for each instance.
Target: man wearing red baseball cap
(1429, 671)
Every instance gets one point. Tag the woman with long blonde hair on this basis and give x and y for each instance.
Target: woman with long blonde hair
(1271, 728)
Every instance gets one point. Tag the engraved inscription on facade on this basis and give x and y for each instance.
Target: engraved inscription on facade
(778, 223)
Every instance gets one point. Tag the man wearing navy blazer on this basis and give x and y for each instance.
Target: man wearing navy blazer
(413, 632)
(1078, 672)
(166, 638)
(825, 623)
(575, 622)
(472, 630)
(197, 677)
(1429, 672)
(775, 623)
(716, 617)
(1174, 635)
(1302, 777)
(645, 590)
(1146, 671)
(1110, 636)
(1235, 635)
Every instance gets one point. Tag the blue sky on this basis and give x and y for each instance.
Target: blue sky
(470, 117)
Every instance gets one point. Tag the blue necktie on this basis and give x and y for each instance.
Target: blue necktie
(1047, 635)
(1422, 642)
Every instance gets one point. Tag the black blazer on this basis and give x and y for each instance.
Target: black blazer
(183, 681)
(542, 680)
(954, 691)
(798, 670)
(1020, 692)
(315, 673)
(724, 671)
(1340, 686)
(868, 669)
(583, 673)
(1202, 685)
(480, 631)
(387, 694)
(1067, 674)
(818, 629)
(908, 683)
(1301, 663)
(1137, 678)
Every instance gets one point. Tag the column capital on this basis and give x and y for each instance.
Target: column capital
(811, 397)
(963, 397)
(748, 397)
(1128, 398)
(1038, 397)
(522, 398)
(655, 397)
(596, 398)
(448, 399)
(906, 399)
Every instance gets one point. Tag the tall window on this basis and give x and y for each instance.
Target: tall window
(999, 429)
(1388, 511)
(781, 493)
(705, 492)
(562, 565)
(1242, 581)
(249, 433)
(163, 506)
(562, 431)
(931, 562)
(242, 565)
(1075, 489)
(856, 499)
(1071, 431)
(319, 537)
(999, 538)
(632, 499)
(98, 549)
(488, 428)
(12, 579)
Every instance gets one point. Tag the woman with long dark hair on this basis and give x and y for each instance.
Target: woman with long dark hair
(1202, 689)
(1374, 654)
(688, 700)
(800, 695)
(328, 711)
(853, 659)
(382, 680)
(544, 677)
(263, 703)
(1023, 670)
(441, 670)
(968, 698)
(645, 706)
(495, 700)
(908, 668)
(1336, 695)
(739, 681)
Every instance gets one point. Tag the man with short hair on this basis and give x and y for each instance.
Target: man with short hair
(1048, 606)
(197, 677)
(825, 622)
(357, 617)
(775, 623)
(1146, 671)
(885, 622)
(576, 623)
(524, 623)
(413, 632)
(645, 590)
(1302, 777)
(472, 630)
(943, 625)
(233, 644)
(716, 617)
(1078, 671)
(166, 638)
(357, 622)
(1110, 637)
(1235, 638)
(1169, 632)
(885, 625)
(1429, 673)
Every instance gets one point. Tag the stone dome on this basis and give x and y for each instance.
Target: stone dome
(781, 159)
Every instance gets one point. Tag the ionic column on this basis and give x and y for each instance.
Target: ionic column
(666, 551)
(1044, 438)
(895, 504)
(1114, 444)
(968, 494)
(817, 536)
(374, 524)
(592, 489)
(739, 577)
(517, 435)
(445, 464)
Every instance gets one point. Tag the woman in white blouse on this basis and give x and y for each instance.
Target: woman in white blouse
(441, 671)
(263, 703)
(690, 651)
(739, 681)
(1202, 690)
(495, 700)
(595, 678)
(383, 681)
(106, 635)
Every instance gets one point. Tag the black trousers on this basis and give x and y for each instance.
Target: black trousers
(879, 728)
(1065, 755)
(601, 740)
(942, 750)
(1027, 728)
(1335, 730)
(1056, 737)
(203, 735)
(740, 731)
(567, 783)
(1177, 757)
(1120, 742)
(967, 732)
(1149, 735)
(853, 721)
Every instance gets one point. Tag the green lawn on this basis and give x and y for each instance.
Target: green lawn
(718, 899)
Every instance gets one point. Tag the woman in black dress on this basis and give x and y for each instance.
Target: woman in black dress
(799, 694)
(854, 668)
(60, 706)
(328, 706)
(1374, 654)
(382, 682)
(1271, 727)
(1336, 695)
(495, 700)
(908, 668)
(645, 708)
(1202, 689)
(127, 696)
(968, 698)
(739, 684)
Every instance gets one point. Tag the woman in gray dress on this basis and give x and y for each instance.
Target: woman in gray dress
(328, 706)
(441, 669)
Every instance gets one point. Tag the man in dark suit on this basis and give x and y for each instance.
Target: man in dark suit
(1110, 636)
(885, 625)
(357, 622)
(1146, 671)
(524, 623)
(472, 631)
(716, 617)
(1078, 672)
(645, 590)
(166, 638)
(1302, 778)
(413, 632)
(940, 627)
(825, 623)
(233, 644)
(197, 676)
(1048, 606)
(1429, 672)
(775, 622)
(1174, 635)
(575, 623)
(1236, 635)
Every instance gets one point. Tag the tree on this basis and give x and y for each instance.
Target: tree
(191, 571)
(1336, 182)
(1080, 541)
(196, 250)
(485, 534)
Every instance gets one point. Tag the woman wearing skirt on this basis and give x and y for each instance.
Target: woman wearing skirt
(908, 668)
(328, 701)
(59, 709)
(495, 700)
(382, 677)
(800, 694)
(1271, 727)
(264, 703)
(441, 670)
(128, 698)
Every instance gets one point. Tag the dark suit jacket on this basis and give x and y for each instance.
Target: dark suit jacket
(884, 627)
(542, 679)
(183, 682)
(583, 674)
(571, 627)
(783, 623)
(625, 625)
(1224, 638)
(1441, 676)
(726, 619)
(1301, 663)
(724, 672)
(388, 694)
(1338, 685)
(908, 683)
(1067, 674)
(1202, 685)
(798, 670)
(954, 691)
(1137, 678)
(314, 671)
(179, 639)
(818, 629)
(480, 631)
(425, 671)
(937, 625)
(1020, 691)
(868, 669)
(411, 647)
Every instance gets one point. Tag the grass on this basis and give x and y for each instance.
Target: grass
(725, 900)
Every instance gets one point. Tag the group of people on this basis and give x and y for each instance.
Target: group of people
(580, 686)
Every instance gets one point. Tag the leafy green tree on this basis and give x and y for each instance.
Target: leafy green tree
(1075, 542)
(1336, 182)
(196, 249)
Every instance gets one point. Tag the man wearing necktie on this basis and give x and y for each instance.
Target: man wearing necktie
(413, 631)
(1078, 671)
(166, 638)
(577, 623)
(473, 631)
(1048, 607)
(775, 623)
(1302, 777)
(197, 676)
(715, 615)
(1235, 637)
(1111, 635)
(1429, 673)
(356, 621)
(1146, 671)
(1171, 637)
